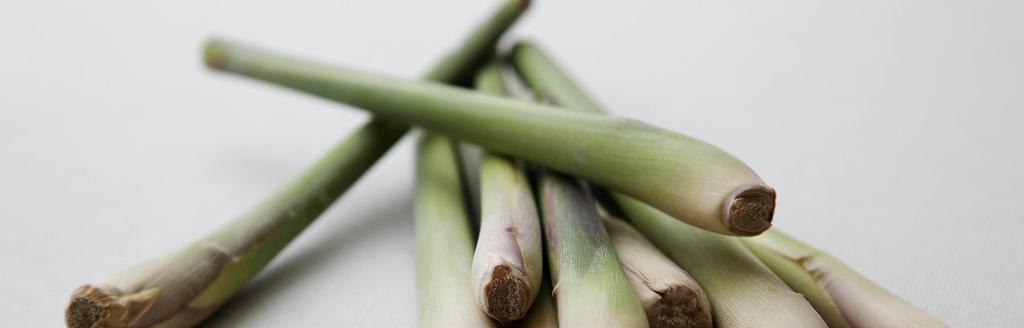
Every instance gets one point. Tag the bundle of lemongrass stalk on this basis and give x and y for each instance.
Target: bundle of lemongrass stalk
(585, 219)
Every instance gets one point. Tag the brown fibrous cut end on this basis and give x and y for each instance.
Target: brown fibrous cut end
(680, 307)
(90, 307)
(508, 296)
(750, 211)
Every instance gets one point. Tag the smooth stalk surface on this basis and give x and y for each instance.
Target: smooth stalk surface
(843, 297)
(690, 179)
(444, 242)
(591, 290)
(542, 313)
(182, 288)
(507, 265)
(742, 290)
(671, 297)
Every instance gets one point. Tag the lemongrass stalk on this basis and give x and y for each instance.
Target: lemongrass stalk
(507, 265)
(690, 179)
(843, 297)
(542, 313)
(546, 77)
(742, 290)
(444, 242)
(671, 297)
(591, 290)
(184, 287)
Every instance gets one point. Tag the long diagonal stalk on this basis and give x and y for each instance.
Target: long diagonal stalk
(742, 290)
(184, 287)
(444, 243)
(842, 296)
(687, 178)
(507, 265)
(671, 297)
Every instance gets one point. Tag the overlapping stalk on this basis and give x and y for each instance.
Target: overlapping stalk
(742, 290)
(843, 297)
(444, 242)
(184, 287)
(542, 313)
(687, 178)
(507, 265)
(591, 290)
(670, 296)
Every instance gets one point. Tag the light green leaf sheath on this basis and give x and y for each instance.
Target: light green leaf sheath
(444, 243)
(542, 313)
(743, 292)
(687, 178)
(590, 288)
(671, 297)
(507, 265)
(842, 296)
(184, 287)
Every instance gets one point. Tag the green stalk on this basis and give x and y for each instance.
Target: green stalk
(591, 290)
(507, 265)
(671, 297)
(184, 287)
(752, 212)
(742, 290)
(690, 179)
(843, 297)
(444, 244)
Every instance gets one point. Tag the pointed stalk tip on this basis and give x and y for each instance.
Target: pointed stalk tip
(213, 55)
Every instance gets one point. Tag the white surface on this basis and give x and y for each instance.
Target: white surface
(891, 130)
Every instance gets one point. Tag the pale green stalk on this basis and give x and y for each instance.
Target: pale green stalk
(184, 287)
(444, 242)
(690, 179)
(843, 297)
(542, 313)
(742, 290)
(671, 297)
(591, 290)
(507, 265)
(712, 179)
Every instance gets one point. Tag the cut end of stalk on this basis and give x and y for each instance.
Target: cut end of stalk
(680, 306)
(213, 55)
(507, 295)
(89, 310)
(750, 211)
(96, 307)
(524, 4)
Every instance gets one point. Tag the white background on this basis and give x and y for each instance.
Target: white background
(891, 130)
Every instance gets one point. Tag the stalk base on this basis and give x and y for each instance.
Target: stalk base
(750, 211)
